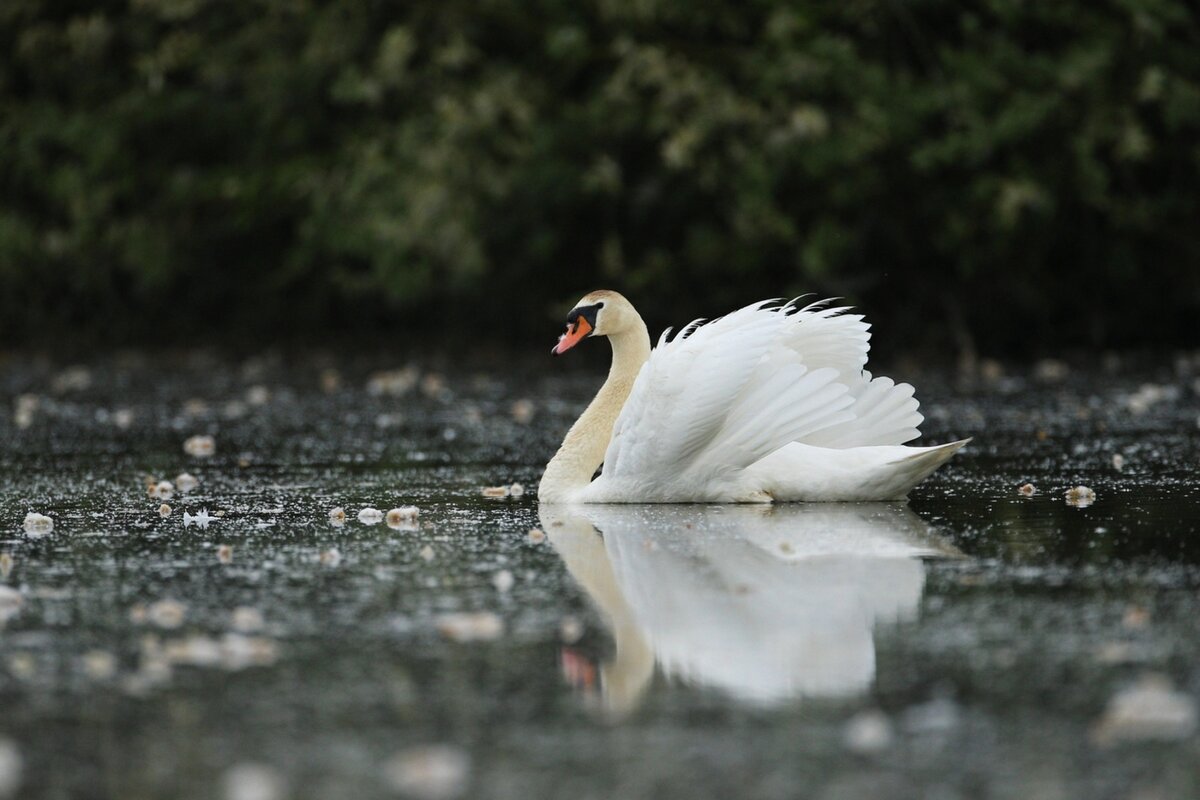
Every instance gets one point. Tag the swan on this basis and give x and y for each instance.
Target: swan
(770, 403)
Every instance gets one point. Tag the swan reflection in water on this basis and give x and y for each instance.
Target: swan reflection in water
(765, 603)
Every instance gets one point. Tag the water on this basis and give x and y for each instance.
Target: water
(971, 643)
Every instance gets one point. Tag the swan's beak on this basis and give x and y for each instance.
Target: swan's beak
(575, 333)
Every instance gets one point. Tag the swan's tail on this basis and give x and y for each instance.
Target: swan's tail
(915, 467)
(801, 472)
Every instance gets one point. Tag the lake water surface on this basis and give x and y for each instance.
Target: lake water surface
(974, 642)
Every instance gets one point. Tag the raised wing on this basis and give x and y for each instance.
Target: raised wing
(885, 412)
(723, 395)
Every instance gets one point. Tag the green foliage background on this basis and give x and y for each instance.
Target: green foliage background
(1020, 173)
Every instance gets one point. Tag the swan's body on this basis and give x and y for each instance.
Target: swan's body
(768, 404)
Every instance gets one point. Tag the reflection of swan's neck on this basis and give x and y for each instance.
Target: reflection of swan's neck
(582, 451)
(625, 678)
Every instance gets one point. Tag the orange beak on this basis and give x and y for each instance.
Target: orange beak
(572, 337)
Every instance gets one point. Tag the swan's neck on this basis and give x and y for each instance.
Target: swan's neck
(582, 451)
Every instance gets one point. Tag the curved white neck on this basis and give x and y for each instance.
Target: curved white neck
(582, 451)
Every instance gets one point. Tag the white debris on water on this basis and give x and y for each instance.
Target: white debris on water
(470, 626)
(991, 370)
(389, 420)
(330, 380)
(200, 446)
(1118, 462)
(247, 619)
(392, 383)
(1080, 496)
(938, 715)
(427, 553)
(516, 490)
(75, 378)
(433, 386)
(239, 651)
(495, 491)
(164, 510)
(370, 516)
(536, 536)
(430, 772)
(1149, 395)
(38, 524)
(250, 781)
(186, 482)
(6, 564)
(337, 517)
(522, 411)
(167, 614)
(11, 601)
(330, 557)
(200, 519)
(1027, 490)
(868, 732)
(1135, 618)
(10, 768)
(232, 652)
(1150, 709)
(403, 518)
(194, 651)
(1051, 370)
(1118, 652)
(25, 407)
(163, 490)
(22, 666)
(225, 554)
(195, 407)
(234, 409)
(99, 665)
(503, 581)
(258, 396)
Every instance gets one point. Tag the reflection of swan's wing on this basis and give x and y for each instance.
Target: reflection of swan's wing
(766, 603)
(873, 548)
(756, 627)
(799, 532)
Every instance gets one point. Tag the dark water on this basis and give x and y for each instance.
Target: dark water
(974, 643)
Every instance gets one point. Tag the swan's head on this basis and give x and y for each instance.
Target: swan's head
(599, 313)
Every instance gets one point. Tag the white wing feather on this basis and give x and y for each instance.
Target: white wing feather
(722, 396)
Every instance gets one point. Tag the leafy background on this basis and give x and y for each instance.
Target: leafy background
(1008, 177)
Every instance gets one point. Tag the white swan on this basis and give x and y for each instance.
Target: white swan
(768, 404)
(765, 603)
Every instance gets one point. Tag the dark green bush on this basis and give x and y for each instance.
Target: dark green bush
(1024, 174)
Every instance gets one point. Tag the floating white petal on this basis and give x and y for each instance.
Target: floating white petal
(200, 446)
(432, 772)
(38, 524)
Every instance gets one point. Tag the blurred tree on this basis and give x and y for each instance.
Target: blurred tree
(1022, 176)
